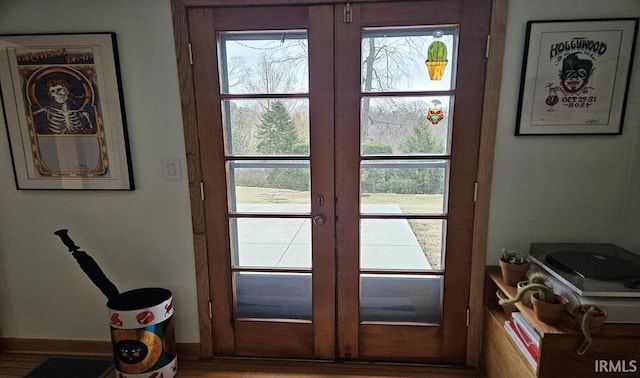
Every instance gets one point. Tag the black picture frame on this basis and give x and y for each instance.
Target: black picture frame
(575, 76)
(64, 111)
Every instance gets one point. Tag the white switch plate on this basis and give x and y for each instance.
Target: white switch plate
(171, 170)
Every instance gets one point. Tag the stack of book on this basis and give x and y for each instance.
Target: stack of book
(525, 336)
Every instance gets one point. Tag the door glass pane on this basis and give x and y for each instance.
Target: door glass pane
(400, 298)
(271, 242)
(403, 186)
(419, 60)
(266, 127)
(275, 186)
(264, 62)
(264, 85)
(273, 295)
(402, 244)
(405, 125)
(409, 59)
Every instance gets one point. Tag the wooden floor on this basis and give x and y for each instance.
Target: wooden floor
(18, 364)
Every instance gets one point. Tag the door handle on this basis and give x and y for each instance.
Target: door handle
(319, 220)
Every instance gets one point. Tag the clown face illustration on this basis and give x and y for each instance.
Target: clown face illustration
(575, 73)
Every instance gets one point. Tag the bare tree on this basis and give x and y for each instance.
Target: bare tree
(387, 62)
(265, 65)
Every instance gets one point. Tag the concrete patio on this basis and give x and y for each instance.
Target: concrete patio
(286, 242)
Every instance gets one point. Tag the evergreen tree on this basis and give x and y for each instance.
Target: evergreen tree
(422, 141)
(277, 132)
(430, 180)
(278, 135)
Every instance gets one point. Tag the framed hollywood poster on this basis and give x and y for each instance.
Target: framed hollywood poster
(575, 76)
(64, 111)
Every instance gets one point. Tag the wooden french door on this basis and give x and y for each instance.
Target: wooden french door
(338, 167)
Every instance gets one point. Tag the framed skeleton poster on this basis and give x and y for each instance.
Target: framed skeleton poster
(64, 111)
(575, 76)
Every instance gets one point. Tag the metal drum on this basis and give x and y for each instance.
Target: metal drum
(143, 333)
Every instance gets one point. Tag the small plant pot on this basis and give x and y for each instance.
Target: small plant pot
(549, 313)
(595, 320)
(513, 273)
(526, 299)
(507, 308)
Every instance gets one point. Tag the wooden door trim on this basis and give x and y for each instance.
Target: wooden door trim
(474, 16)
(493, 77)
(373, 346)
(210, 135)
(474, 30)
(227, 19)
(347, 186)
(203, 97)
(321, 115)
(188, 107)
(487, 147)
(252, 336)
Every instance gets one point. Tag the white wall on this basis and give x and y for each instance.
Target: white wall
(140, 238)
(563, 188)
(545, 188)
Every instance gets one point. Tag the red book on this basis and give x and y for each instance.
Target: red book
(520, 344)
(531, 347)
(526, 326)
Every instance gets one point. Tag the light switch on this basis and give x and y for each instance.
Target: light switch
(171, 170)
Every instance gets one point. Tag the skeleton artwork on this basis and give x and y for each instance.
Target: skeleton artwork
(62, 118)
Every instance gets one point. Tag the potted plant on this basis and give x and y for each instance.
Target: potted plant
(514, 266)
(547, 306)
(589, 319)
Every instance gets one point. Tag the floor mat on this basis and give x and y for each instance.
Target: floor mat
(72, 366)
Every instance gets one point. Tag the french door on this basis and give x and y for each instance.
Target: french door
(338, 152)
